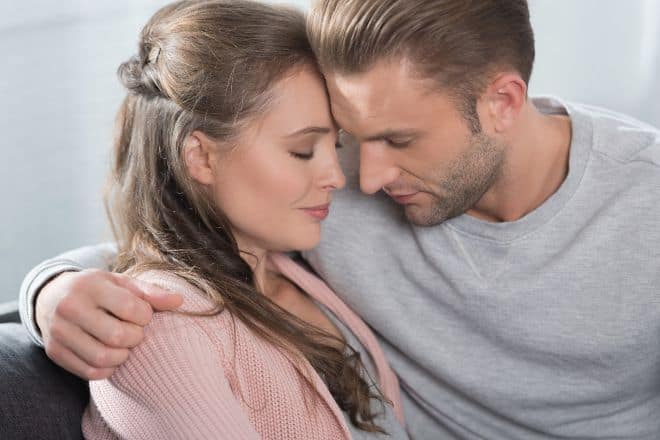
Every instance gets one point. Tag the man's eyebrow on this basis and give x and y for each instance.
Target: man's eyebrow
(389, 134)
(310, 130)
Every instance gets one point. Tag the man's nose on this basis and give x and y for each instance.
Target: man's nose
(377, 168)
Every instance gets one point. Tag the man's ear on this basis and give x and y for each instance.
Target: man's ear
(505, 96)
(199, 153)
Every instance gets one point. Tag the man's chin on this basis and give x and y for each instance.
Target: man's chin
(419, 216)
(425, 216)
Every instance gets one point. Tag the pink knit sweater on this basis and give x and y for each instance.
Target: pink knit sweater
(213, 378)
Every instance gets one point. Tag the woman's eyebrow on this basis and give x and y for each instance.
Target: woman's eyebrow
(308, 130)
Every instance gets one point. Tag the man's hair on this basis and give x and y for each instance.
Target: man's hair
(458, 43)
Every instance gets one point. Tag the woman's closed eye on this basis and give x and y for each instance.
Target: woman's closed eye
(304, 155)
(301, 155)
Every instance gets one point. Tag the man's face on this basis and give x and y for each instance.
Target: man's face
(415, 144)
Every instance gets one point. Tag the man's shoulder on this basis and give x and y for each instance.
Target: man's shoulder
(622, 138)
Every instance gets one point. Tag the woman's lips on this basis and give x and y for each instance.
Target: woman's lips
(318, 212)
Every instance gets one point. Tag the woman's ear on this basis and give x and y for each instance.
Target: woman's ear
(199, 152)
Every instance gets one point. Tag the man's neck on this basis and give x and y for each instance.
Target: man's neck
(536, 164)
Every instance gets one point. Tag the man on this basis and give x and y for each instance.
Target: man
(506, 250)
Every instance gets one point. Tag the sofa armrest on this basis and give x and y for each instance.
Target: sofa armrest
(38, 400)
(9, 312)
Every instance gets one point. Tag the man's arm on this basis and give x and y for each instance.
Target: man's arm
(85, 317)
(101, 257)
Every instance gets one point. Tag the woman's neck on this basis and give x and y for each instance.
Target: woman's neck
(265, 276)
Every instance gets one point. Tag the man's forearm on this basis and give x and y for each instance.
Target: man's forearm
(101, 256)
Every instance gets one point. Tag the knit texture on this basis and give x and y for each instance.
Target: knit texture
(213, 378)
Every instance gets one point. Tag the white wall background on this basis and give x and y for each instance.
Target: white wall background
(603, 52)
(59, 93)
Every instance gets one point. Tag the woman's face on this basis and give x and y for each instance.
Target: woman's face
(275, 187)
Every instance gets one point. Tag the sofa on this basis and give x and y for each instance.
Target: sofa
(38, 400)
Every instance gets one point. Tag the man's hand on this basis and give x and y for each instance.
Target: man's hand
(89, 320)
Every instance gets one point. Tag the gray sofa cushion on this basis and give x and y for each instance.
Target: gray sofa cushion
(38, 400)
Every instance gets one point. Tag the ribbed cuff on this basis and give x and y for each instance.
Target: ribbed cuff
(30, 288)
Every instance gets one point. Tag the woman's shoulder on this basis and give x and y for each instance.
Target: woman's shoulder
(199, 317)
(195, 300)
(182, 368)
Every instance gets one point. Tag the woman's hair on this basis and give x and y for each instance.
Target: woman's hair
(211, 66)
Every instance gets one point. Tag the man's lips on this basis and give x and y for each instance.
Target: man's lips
(319, 212)
(403, 198)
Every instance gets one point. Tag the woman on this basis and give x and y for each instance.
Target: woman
(225, 157)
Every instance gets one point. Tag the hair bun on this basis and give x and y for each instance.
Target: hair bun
(140, 76)
(130, 73)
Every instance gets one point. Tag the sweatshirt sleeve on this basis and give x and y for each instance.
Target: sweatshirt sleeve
(172, 386)
(101, 256)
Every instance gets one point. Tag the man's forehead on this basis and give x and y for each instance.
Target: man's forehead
(379, 102)
(361, 101)
(356, 95)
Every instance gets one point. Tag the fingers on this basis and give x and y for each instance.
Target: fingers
(110, 330)
(92, 352)
(66, 359)
(100, 297)
(165, 303)
(123, 299)
(158, 298)
(90, 319)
